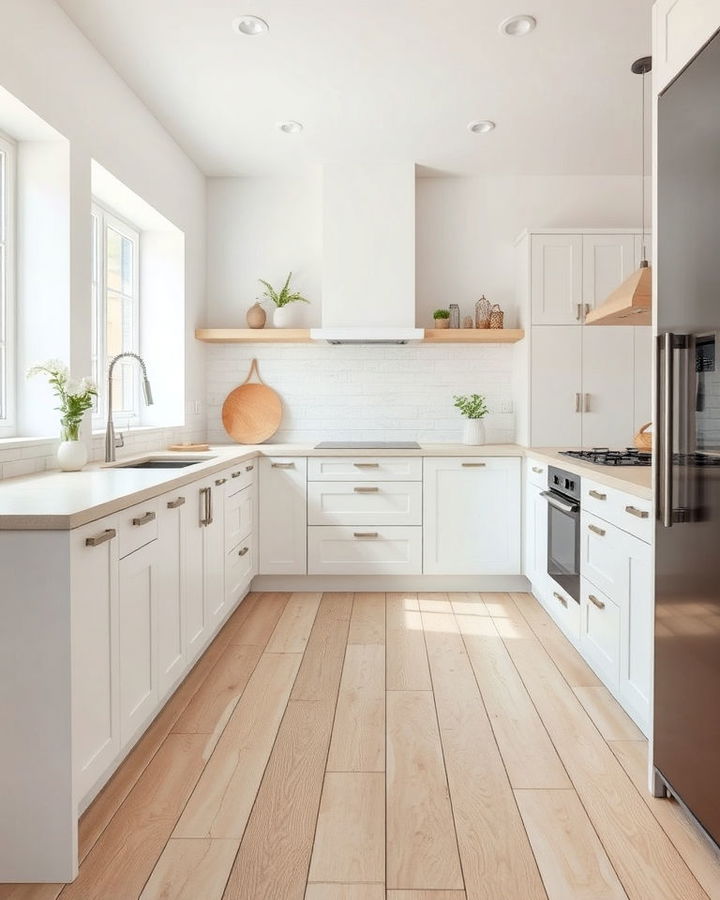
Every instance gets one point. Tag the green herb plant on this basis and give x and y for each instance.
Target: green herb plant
(441, 314)
(284, 296)
(472, 407)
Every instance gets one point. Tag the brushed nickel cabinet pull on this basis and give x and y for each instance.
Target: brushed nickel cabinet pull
(578, 314)
(473, 465)
(243, 551)
(537, 470)
(638, 513)
(173, 504)
(249, 468)
(595, 602)
(101, 538)
(586, 406)
(596, 530)
(235, 474)
(587, 308)
(290, 465)
(219, 481)
(578, 402)
(205, 506)
(143, 520)
(364, 534)
(366, 490)
(597, 495)
(560, 598)
(367, 465)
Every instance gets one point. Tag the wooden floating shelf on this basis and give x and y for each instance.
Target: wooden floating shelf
(302, 335)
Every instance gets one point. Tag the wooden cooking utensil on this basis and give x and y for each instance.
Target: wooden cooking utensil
(252, 412)
(643, 439)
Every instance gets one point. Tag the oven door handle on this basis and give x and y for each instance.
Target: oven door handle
(558, 504)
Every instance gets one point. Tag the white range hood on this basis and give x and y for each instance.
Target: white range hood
(368, 255)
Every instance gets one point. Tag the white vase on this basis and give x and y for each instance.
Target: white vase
(285, 316)
(71, 455)
(474, 432)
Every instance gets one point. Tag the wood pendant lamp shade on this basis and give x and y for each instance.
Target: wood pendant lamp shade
(629, 304)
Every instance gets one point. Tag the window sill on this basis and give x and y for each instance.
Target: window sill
(17, 443)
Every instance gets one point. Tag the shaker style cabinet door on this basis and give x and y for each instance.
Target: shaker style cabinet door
(556, 386)
(608, 259)
(283, 516)
(556, 279)
(608, 386)
(172, 589)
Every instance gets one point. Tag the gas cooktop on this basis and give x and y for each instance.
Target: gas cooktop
(367, 445)
(603, 456)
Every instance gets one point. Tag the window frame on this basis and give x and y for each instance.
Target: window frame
(8, 297)
(103, 217)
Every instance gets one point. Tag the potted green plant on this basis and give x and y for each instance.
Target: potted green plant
(474, 408)
(442, 318)
(283, 313)
(76, 396)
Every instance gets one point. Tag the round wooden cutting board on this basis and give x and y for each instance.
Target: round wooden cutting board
(252, 412)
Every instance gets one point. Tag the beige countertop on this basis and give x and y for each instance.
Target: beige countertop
(635, 480)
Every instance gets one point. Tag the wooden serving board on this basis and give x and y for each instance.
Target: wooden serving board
(252, 412)
(189, 448)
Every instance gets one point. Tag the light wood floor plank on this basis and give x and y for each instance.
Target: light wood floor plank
(434, 601)
(496, 857)
(261, 620)
(32, 891)
(647, 863)
(221, 803)
(527, 751)
(421, 847)
(367, 625)
(358, 739)
(274, 855)
(295, 624)
(468, 604)
(610, 719)
(345, 892)
(190, 869)
(125, 854)
(701, 855)
(406, 658)
(213, 703)
(350, 838)
(572, 860)
(427, 895)
(321, 667)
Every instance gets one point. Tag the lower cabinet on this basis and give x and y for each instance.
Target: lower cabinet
(536, 535)
(283, 516)
(361, 550)
(173, 590)
(600, 625)
(471, 516)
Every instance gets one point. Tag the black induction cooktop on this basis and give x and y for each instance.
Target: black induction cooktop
(367, 445)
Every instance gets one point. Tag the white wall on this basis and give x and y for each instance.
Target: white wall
(47, 64)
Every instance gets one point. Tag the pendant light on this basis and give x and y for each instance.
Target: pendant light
(631, 303)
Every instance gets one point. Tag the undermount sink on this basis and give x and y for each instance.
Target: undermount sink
(162, 463)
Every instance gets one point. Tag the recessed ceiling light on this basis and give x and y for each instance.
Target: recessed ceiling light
(481, 127)
(290, 127)
(517, 26)
(250, 25)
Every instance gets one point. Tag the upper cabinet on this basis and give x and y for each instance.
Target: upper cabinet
(608, 259)
(681, 28)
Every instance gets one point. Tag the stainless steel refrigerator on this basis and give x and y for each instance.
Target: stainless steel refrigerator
(686, 753)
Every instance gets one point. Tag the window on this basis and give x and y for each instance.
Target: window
(7, 287)
(115, 314)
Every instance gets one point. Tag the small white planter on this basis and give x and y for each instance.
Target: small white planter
(71, 455)
(285, 316)
(474, 432)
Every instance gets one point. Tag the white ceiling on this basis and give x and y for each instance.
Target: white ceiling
(385, 80)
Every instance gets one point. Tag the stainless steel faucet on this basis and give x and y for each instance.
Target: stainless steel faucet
(110, 439)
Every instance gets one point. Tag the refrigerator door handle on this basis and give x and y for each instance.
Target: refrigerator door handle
(666, 378)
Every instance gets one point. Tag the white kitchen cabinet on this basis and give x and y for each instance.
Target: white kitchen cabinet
(381, 503)
(283, 516)
(95, 686)
(608, 259)
(607, 385)
(564, 610)
(196, 619)
(600, 626)
(348, 550)
(536, 535)
(239, 516)
(364, 468)
(240, 568)
(680, 30)
(637, 633)
(556, 386)
(139, 580)
(643, 350)
(472, 516)
(213, 556)
(172, 593)
(556, 279)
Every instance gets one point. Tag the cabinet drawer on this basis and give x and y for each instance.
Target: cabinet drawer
(239, 516)
(632, 514)
(347, 503)
(364, 468)
(239, 477)
(603, 556)
(239, 569)
(536, 473)
(600, 633)
(563, 609)
(381, 550)
(137, 526)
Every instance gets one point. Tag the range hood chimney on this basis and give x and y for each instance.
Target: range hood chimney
(368, 255)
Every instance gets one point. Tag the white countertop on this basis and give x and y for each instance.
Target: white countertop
(63, 500)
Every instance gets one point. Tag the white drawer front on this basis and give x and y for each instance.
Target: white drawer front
(381, 550)
(600, 633)
(240, 476)
(137, 526)
(239, 569)
(364, 468)
(347, 503)
(536, 473)
(603, 560)
(563, 609)
(632, 514)
(239, 516)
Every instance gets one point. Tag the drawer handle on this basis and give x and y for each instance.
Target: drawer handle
(367, 465)
(560, 598)
(364, 534)
(236, 474)
(173, 504)
(638, 513)
(101, 538)
(243, 551)
(219, 481)
(595, 602)
(596, 530)
(366, 490)
(143, 520)
(537, 470)
(290, 465)
(597, 495)
(473, 465)
(249, 468)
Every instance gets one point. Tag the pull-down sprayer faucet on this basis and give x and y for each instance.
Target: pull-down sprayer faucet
(147, 394)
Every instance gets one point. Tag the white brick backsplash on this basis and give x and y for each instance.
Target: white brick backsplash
(368, 392)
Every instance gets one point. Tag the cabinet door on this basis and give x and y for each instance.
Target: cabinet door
(171, 594)
(556, 386)
(637, 632)
(213, 557)
(196, 620)
(139, 581)
(642, 336)
(283, 516)
(608, 386)
(471, 516)
(239, 516)
(536, 535)
(608, 259)
(681, 29)
(95, 688)
(600, 625)
(556, 279)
